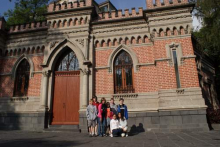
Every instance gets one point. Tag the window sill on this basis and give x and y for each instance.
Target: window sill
(19, 98)
(126, 95)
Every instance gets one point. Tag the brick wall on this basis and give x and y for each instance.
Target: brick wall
(151, 78)
(6, 86)
(104, 82)
(7, 83)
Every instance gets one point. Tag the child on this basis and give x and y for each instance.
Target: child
(123, 125)
(114, 127)
(97, 129)
(122, 108)
(113, 106)
(91, 114)
(109, 117)
(102, 114)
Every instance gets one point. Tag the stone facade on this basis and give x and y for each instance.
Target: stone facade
(149, 36)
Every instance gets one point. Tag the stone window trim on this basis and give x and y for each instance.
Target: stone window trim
(20, 59)
(57, 51)
(178, 48)
(115, 53)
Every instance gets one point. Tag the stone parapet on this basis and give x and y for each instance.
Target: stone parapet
(54, 7)
(151, 4)
(28, 27)
(120, 15)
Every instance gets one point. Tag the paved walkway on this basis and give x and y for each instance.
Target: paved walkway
(148, 139)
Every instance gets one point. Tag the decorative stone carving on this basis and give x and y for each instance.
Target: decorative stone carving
(85, 71)
(173, 45)
(80, 41)
(53, 44)
(46, 73)
(14, 99)
(126, 96)
(180, 91)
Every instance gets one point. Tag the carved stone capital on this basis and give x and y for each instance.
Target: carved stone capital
(85, 71)
(46, 73)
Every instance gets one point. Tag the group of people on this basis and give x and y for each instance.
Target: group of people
(107, 118)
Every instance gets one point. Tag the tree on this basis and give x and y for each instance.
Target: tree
(26, 11)
(209, 35)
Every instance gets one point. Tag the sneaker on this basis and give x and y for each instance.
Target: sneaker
(123, 135)
(111, 135)
(126, 135)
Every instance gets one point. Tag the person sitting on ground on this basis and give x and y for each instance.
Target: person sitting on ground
(114, 127)
(91, 114)
(123, 125)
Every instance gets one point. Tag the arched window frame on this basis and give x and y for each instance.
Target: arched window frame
(115, 53)
(21, 58)
(65, 58)
(22, 79)
(123, 73)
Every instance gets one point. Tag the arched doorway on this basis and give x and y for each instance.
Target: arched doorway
(66, 90)
(123, 73)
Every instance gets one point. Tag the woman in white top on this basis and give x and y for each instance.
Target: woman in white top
(123, 125)
(114, 127)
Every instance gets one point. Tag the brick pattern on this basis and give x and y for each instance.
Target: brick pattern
(189, 74)
(7, 83)
(101, 57)
(6, 86)
(144, 54)
(37, 60)
(7, 65)
(151, 78)
(104, 82)
(145, 80)
(35, 85)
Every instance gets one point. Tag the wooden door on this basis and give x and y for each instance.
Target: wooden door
(66, 98)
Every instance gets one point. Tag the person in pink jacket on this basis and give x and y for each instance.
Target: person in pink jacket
(102, 114)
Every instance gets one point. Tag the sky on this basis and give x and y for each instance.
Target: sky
(120, 4)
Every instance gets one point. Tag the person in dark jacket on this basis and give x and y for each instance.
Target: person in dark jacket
(122, 108)
(102, 114)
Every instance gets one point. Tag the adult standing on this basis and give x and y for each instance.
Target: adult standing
(123, 109)
(113, 106)
(97, 127)
(102, 114)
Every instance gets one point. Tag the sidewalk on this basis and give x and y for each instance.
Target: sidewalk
(147, 139)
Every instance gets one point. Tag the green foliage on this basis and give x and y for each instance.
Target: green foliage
(209, 35)
(26, 11)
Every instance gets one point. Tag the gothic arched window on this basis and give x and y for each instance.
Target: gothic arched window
(123, 73)
(22, 79)
(68, 62)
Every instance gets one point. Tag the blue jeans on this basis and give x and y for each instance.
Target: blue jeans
(101, 126)
(117, 132)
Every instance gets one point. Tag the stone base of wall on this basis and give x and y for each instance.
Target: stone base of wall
(162, 121)
(83, 125)
(22, 121)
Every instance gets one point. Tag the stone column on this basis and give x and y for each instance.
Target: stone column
(85, 88)
(44, 100)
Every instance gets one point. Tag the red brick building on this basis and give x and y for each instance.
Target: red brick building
(49, 70)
